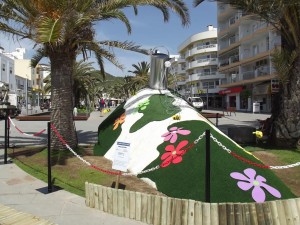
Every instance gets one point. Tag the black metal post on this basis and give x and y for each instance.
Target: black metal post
(49, 159)
(5, 139)
(207, 166)
(217, 119)
(8, 128)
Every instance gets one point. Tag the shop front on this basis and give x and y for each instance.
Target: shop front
(231, 97)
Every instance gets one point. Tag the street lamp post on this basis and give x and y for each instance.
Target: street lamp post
(207, 98)
(26, 98)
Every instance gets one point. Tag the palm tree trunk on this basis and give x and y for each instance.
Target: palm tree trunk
(62, 61)
(286, 112)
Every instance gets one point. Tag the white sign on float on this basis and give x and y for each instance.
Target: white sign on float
(121, 156)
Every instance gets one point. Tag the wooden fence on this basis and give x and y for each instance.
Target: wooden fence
(159, 210)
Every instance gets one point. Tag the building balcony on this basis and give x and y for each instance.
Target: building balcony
(205, 76)
(227, 48)
(180, 71)
(230, 28)
(248, 77)
(181, 60)
(260, 30)
(202, 49)
(225, 11)
(202, 62)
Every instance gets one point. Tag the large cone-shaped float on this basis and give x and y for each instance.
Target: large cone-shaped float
(166, 137)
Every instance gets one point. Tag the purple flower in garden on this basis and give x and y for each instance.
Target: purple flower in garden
(172, 134)
(249, 180)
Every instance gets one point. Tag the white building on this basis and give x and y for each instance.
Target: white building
(245, 47)
(23, 73)
(198, 63)
(7, 77)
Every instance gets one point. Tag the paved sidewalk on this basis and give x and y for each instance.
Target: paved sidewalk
(27, 194)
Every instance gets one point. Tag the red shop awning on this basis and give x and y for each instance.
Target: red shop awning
(231, 90)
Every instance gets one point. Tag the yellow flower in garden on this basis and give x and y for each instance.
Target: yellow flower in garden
(119, 121)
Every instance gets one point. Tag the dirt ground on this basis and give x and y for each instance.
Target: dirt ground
(133, 183)
(286, 175)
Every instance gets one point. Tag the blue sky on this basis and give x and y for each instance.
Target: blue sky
(148, 31)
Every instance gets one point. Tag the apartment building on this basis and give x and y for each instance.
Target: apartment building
(198, 63)
(7, 78)
(245, 45)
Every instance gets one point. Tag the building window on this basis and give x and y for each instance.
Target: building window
(3, 67)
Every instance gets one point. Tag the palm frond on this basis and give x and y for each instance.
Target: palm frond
(283, 61)
(37, 57)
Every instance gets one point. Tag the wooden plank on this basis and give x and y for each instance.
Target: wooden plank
(206, 213)
(238, 214)
(288, 212)
(260, 214)
(230, 213)
(144, 208)
(100, 199)
(138, 206)
(214, 216)
(126, 204)
(281, 212)
(157, 210)
(121, 203)
(164, 207)
(222, 214)
(91, 194)
(170, 203)
(274, 212)
(298, 204)
(150, 207)
(178, 212)
(104, 196)
(132, 205)
(253, 214)
(12, 216)
(246, 214)
(191, 212)
(185, 211)
(16, 216)
(198, 213)
(109, 200)
(267, 213)
(96, 196)
(295, 212)
(114, 201)
(87, 196)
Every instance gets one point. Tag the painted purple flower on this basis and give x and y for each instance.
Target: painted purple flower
(249, 180)
(172, 134)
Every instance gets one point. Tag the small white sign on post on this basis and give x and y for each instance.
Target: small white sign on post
(121, 156)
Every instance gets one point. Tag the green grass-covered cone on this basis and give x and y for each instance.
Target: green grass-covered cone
(166, 135)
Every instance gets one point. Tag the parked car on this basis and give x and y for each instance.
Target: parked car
(197, 102)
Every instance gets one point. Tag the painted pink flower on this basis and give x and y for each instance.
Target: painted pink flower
(172, 134)
(173, 155)
(249, 180)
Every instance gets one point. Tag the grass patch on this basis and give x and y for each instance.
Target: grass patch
(66, 174)
(70, 173)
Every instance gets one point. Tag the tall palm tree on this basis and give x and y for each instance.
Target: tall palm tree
(284, 15)
(141, 73)
(62, 28)
(85, 79)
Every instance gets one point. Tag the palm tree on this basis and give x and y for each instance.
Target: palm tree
(141, 73)
(85, 80)
(62, 29)
(284, 15)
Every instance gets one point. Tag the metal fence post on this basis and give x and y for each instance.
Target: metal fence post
(207, 166)
(49, 159)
